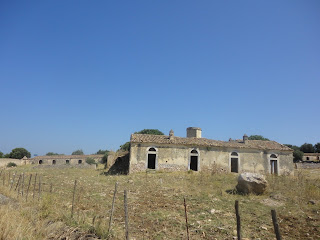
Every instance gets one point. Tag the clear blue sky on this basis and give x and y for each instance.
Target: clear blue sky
(87, 74)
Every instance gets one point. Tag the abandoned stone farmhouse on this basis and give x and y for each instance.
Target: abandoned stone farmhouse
(161, 152)
(64, 159)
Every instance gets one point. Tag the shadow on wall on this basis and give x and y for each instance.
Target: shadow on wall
(120, 166)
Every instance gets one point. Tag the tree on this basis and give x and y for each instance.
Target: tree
(90, 160)
(150, 131)
(297, 154)
(6, 155)
(258, 137)
(307, 148)
(1, 154)
(78, 152)
(53, 154)
(125, 147)
(19, 153)
(317, 147)
(102, 151)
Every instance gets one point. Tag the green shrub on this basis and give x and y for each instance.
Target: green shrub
(90, 161)
(11, 164)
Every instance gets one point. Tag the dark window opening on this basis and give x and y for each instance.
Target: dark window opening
(307, 158)
(151, 161)
(273, 156)
(194, 151)
(67, 161)
(40, 161)
(79, 161)
(274, 167)
(152, 149)
(54, 162)
(234, 165)
(194, 163)
(234, 154)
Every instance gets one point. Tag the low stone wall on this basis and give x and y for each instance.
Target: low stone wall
(307, 165)
(5, 161)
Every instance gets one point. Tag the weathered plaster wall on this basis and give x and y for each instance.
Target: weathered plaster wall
(171, 157)
(5, 161)
(62, 159)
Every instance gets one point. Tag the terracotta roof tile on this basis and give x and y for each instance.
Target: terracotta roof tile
(204, 142)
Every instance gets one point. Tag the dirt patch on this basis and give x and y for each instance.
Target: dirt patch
(4, 200)
(272, 203)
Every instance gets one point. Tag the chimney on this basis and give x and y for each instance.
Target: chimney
(171, 134)
(245, 138)
(194, 132)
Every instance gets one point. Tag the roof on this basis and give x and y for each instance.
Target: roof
(311, 154)
(69, 156)
(204, 142)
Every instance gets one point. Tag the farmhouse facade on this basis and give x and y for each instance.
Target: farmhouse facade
(64, 159)
(311, 157)
(161, 152)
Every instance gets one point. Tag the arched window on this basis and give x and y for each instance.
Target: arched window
(308, 159)
(54, 162)
(152, 158)
(194, 160)
(40, 161)
(234, 162)
(67, 161)
(79, 161)
(273, 164)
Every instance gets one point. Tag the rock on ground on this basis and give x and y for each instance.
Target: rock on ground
(251, 183)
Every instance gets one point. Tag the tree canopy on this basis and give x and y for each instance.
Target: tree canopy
(258, 137)
(19, 153)
(1, 154)
(125, 147)
(150, 131)
(317, 147)
(53, 154)
(102, 151)
(78, 152)
(307, 148)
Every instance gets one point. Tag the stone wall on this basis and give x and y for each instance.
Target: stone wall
(5, 161)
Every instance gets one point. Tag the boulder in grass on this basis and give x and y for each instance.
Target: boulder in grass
(251, 183)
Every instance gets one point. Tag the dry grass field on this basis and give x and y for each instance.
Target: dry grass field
(155, 205)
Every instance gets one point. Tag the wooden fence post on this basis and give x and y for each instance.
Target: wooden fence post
(22, 185)
(186, 216)
(34, 185)
(112, 207)
(28, 188)
(126, 214)
(236, 205)
(18, 182)
(275, 224)
(74, 192)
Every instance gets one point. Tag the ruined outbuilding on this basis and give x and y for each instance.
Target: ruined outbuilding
(172, 153)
